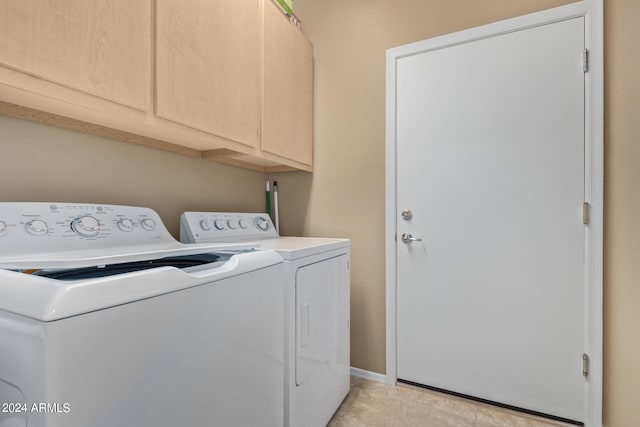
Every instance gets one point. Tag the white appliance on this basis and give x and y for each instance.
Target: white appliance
(317, 308)
(106, 320)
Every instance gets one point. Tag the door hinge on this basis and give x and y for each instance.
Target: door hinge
(585, 61)
(585, 213)
(585, 365)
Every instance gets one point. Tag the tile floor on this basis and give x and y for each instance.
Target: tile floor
(373, 404)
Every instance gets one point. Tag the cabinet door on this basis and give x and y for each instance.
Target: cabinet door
(287, 114)
(99, 47)
(208, 66)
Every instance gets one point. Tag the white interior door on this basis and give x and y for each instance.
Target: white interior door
(491, 162)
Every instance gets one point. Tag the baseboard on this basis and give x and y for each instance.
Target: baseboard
(368, 375)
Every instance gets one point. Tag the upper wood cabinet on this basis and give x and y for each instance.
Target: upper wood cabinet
(208, 66)
(287, 104)
(225, 80)
(97, 47)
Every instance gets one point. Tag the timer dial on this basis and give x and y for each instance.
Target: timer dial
(86, 226)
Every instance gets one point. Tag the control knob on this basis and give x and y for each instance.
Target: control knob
(125, 224)
(86, 226)
(148, 224)
(205, 224)
(262, 223)
(219, 224)
(232, 224)
(243, 224)
(37, 227)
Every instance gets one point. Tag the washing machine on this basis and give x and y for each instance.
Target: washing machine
(106, 320)
(317, 335)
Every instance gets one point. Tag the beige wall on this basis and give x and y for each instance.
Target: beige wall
(622, 204)
(44, 163)
(345, 195)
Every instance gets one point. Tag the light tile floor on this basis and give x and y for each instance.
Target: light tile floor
(373, 404)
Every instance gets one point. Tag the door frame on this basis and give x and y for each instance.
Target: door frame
(592, 11)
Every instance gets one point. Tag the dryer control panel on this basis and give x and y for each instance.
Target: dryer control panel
(33, 228)
(222, 227)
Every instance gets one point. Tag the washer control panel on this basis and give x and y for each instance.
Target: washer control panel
(58, 227)
(221, 227)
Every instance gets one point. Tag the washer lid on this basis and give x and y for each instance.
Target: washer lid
(182, 262)
(113, 255)
(47, 299)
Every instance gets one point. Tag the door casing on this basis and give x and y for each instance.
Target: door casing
(592, 11)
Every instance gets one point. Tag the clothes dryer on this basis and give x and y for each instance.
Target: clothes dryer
(317, 335)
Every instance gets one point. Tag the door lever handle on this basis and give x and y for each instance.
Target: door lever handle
(408, 237)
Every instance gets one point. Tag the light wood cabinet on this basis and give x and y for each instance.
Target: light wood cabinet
(208, 66)
(225, 80)
(100, 48)
(287, 104)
